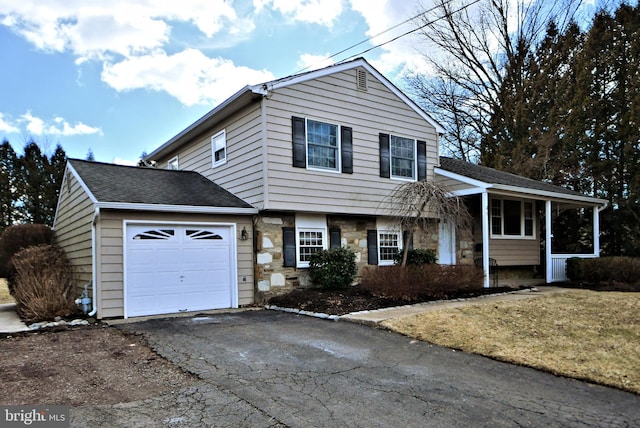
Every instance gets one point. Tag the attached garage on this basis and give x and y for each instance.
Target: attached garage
(179, 268)
(152, 241)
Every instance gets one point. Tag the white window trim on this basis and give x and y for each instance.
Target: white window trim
(522, 219)
(171, 161)
(214, 139)
(310, 223)
(388, 232)
(338, 167)
(415, 160)
(387, 226)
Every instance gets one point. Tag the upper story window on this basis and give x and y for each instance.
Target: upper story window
(403, 157)
(323, 145)
(512, 218)
(173, 163)
(219, 148)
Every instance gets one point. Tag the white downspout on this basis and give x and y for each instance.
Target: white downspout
(547, 245)
(94, 282)
(485, 237)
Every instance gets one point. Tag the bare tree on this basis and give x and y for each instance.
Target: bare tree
(473, 50)
(417, 204)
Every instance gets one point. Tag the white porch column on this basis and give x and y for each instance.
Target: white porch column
(485, 237)
(596, 231)
(547, 246)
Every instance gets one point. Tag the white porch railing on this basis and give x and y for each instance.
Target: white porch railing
(559, 265)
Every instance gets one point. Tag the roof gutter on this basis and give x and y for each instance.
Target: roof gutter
(175, 208)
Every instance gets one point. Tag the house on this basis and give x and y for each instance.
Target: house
(299, 164)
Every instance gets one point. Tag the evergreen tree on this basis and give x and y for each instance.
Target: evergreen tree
(8, 186)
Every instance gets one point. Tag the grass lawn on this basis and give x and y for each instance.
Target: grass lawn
(583, 334)
(5, 297)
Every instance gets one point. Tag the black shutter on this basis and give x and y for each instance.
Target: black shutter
(334, 238)
(298, 132)
(346, 149)
(372, 247)
(422, 160)
(384, 156)
(289, 246)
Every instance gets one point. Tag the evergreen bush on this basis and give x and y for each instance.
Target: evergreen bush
(16, 238)
(333, 269)
(417, 257)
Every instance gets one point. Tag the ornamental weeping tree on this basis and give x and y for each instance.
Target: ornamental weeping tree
(417, 204)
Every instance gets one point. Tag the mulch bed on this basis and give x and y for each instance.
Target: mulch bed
(355, 299)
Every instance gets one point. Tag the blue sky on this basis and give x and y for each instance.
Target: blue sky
(121, 77)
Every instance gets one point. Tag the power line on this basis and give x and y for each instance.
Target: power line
(413, 31)
(386, 31)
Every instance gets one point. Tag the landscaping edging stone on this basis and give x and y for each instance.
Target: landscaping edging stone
(349, 316)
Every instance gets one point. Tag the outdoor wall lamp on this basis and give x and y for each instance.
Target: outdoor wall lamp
(244, 235)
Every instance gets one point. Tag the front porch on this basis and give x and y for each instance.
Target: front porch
(523, 222)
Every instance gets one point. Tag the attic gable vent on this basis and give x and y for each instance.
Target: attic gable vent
(361, 79)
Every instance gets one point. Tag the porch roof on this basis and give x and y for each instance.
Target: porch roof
(481, 177)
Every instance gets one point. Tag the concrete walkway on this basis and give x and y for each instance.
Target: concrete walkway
(10, 322)
(378, 316)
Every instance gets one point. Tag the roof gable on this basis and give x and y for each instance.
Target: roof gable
(264, 88)
(119, 186)
(250, 94)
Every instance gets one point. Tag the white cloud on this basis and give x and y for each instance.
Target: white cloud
(322, 12)
(6, 125)
(59, 127)
(93, 29)
(190, 76)
(401, 56)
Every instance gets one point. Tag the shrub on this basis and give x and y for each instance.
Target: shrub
(43, 287)
(333, 269)
(17, 237)
(421, 281)
(610, 272)
(417, 256)
(574, 269)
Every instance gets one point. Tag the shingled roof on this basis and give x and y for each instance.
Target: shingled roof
(493, 176)
(118, 184)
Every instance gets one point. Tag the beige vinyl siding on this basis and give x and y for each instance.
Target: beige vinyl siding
(73, 228)
(242, 173)
(515, 252)
(335, 99)
(110, 255)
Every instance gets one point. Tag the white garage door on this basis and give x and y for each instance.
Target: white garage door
(178, 268)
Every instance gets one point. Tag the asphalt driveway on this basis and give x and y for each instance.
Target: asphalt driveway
(264, 368)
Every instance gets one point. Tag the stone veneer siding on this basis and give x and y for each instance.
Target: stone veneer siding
(272, 278)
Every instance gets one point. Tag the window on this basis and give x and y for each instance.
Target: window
(219, 148)
(402, 158)
(511, 218)
(389, 243)
(310, 237)
(403, 155)
(309, 242)
(323, 145)
(173, 163)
